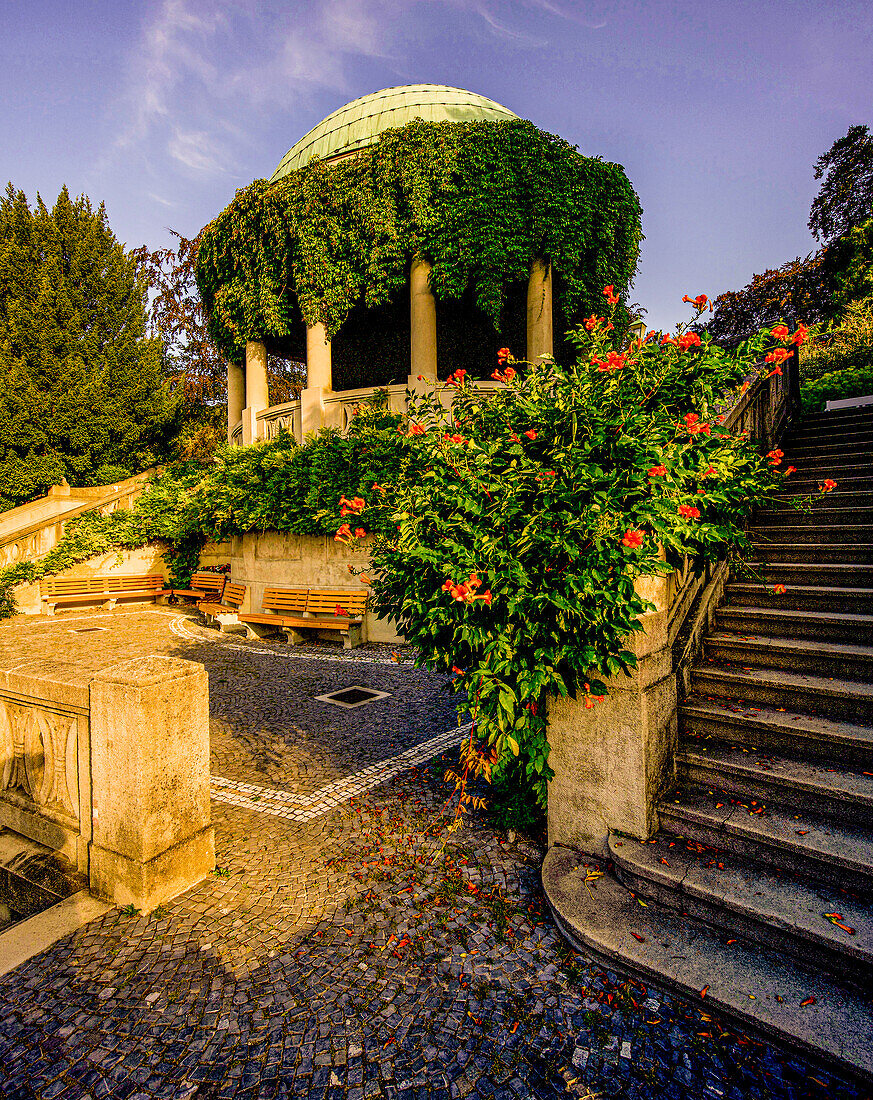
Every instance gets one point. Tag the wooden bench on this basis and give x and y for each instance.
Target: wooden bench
(105, 590)
(296, 609)
(203, 584)
(225, 610)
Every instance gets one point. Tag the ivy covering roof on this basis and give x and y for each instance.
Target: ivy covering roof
(359, 123)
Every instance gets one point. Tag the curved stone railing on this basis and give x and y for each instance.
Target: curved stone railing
(612, 763)
(33, 540)
(338, 409)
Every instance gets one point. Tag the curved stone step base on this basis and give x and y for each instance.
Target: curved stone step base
(763, 991)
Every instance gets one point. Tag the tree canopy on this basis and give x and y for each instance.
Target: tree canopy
(845, 199)
(83, 393)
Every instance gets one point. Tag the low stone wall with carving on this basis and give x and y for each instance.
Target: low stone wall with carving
(280, 560)
(111, 770)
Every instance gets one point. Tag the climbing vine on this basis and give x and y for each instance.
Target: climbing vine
(479, 200)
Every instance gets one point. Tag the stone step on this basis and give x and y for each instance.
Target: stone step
(860, 533)
(844, 496)
(771, 728)
(819, 513)
(795, 486)
(820, 576)
(791, 623)
(857, 446)
(765, 991)
(844, 700)
(822, 466)
(836, 853)
(836, 416)
(743, 898)
(797, 655)
(852, 553)
(819, 433)
(842, 793)
(797, 597)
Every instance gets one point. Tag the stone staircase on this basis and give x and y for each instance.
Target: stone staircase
(757, 892)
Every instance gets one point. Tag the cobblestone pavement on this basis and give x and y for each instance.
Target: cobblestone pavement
(355, 953)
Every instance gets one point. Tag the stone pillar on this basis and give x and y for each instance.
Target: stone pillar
(152, 835)
(319, 380)
(612, 762)
(257, 398)
(539, 311)
(422, 324)
(236, 396)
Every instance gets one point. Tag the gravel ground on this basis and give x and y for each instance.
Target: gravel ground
(366, 952)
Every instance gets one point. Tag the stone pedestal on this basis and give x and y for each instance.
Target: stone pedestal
(311, 410)
(612, 762)
(539, 311)
(151, 834)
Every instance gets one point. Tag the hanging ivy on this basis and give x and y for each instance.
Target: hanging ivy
(479, 200)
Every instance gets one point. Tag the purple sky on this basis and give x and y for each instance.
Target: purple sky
(717, 110)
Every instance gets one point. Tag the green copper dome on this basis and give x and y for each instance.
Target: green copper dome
(360, 122)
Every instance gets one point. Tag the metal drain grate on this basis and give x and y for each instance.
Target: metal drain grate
(88, 629)
(349, 697)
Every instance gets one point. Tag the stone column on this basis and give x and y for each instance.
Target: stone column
(236, 396)
(152, 834)
(257, 398)
(539, 311)
(612, 762)
(319, 380)
(422, 324)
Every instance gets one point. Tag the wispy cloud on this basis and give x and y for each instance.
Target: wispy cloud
(200, 66)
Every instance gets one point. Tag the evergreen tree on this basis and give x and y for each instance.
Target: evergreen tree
(82, 394)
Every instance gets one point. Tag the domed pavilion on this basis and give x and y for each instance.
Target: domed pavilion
(410, 233)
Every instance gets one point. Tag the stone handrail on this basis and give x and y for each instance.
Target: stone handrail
(271, 420)
(613, 762)
(38, 538)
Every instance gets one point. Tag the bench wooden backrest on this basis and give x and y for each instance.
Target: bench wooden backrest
(205, 581)
(87, 586)
(325, 601)
(234, 593)
(285, 599)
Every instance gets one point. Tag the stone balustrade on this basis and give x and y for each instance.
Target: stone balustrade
(111, 770)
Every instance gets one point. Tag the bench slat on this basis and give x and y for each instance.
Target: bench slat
(69, 587)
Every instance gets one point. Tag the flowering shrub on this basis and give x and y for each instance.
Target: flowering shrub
(513, 554)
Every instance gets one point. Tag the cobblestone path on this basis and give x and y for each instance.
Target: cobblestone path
(346, 953)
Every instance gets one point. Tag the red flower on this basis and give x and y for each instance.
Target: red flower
(592, 322)
(802, 334)
(688, 340)
(340, 611)
(775, 457)
(779, 589)
(633, 539)
(486, 596)
(509, 374)
(417, 429)
(352, 507)
(657, 471)
(503, 355)
(610, 295)
(531, 434)
(360, 533)
(790, 470)
(454, 438)
(775, 370)
(699, 302)
(668, 339)
(827, 485)
(343, 533)
(457, 671)
(710, 471)
(456, 378)
(779, 332)
(688, 512)
(777, 355)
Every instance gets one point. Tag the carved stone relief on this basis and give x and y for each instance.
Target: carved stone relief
(39, 756)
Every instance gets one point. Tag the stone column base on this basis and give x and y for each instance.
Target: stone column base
(144, 884)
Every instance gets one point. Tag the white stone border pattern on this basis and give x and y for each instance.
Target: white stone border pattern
(302, 808)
